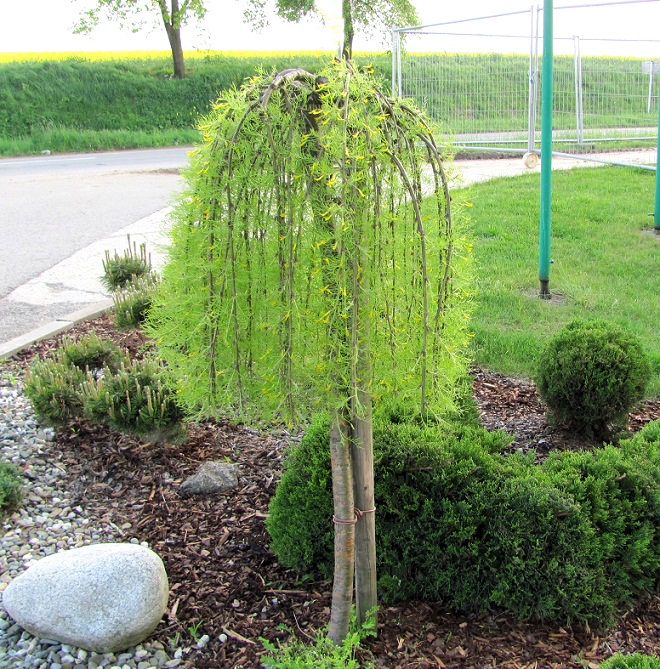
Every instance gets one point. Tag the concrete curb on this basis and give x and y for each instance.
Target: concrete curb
(18, 344)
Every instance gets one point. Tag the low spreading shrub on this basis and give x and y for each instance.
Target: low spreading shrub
(55, 385)
(137, 400)
(10, 487)
(120, 270)
(91, 353)
(590, 374)
(55, 389)
(568, 540)
(133, 302)
(634, 661)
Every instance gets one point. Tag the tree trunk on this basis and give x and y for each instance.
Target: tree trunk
(172, 22)
(362, 456)
(349, 30)
(344, 520)
(174, 35)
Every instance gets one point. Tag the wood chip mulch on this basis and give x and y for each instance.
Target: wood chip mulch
(224, 576)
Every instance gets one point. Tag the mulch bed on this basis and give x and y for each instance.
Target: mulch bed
(224, 576)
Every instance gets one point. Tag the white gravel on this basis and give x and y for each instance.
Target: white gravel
(49, 521)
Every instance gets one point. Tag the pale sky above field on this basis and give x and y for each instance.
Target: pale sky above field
(46, 25)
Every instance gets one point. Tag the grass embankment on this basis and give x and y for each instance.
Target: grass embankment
(489, 92)
(96, 101)
(605, 262)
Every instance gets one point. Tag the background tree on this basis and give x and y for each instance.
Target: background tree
(308, 273)
(367, 16)
(131, 13)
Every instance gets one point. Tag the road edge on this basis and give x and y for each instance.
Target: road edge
(66, 322)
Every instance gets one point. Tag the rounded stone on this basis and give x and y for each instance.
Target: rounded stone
(103, 598)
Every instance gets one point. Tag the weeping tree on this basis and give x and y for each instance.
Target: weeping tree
(306, 273)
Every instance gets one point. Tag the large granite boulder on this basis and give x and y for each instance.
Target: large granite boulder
(212, 477)
(103, 598)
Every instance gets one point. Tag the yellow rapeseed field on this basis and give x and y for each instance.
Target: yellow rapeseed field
(24, 56)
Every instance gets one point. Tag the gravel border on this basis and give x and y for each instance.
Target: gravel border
(49, 521)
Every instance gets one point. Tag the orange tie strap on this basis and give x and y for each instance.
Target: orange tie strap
(358, 514)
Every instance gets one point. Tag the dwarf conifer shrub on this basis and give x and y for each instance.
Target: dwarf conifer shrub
(120, 270)
(10, 487)
(571, 539)
(132, 304)
(91, 353)
(55, 389)
(137, 400)
(590, 374)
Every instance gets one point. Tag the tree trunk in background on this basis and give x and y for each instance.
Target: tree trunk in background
(349, 30)
(174, 35)
(172, 24)
(344, 510)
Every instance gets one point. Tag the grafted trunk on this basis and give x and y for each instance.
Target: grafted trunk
(362, 456)
(344, 515)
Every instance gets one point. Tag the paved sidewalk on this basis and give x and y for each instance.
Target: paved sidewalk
(71, 290)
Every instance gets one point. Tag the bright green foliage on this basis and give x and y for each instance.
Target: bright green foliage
(91, 353)
(301, 181)
(569, 540)
(55, 389)
(120, 270)
(323, 654)
(132, 304)
(10, 487)
(138, 399)
(591, 373)
(634, 661)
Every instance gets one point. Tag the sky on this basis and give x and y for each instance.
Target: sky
(46, 25)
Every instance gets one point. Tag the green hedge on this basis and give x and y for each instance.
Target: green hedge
(569, 540)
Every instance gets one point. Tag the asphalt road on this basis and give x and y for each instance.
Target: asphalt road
(54, 206)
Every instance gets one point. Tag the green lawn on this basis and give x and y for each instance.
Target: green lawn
(606, 262)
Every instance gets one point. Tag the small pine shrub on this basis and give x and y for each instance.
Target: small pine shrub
(634, 661)
(55, 389)
(137, 400)
(133, 302)
(590, 374)
(10, 487)
(91, 353)
(569, 540)
(120, 270)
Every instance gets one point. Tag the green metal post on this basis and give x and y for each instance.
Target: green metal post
(546, 150)
(656, 215)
